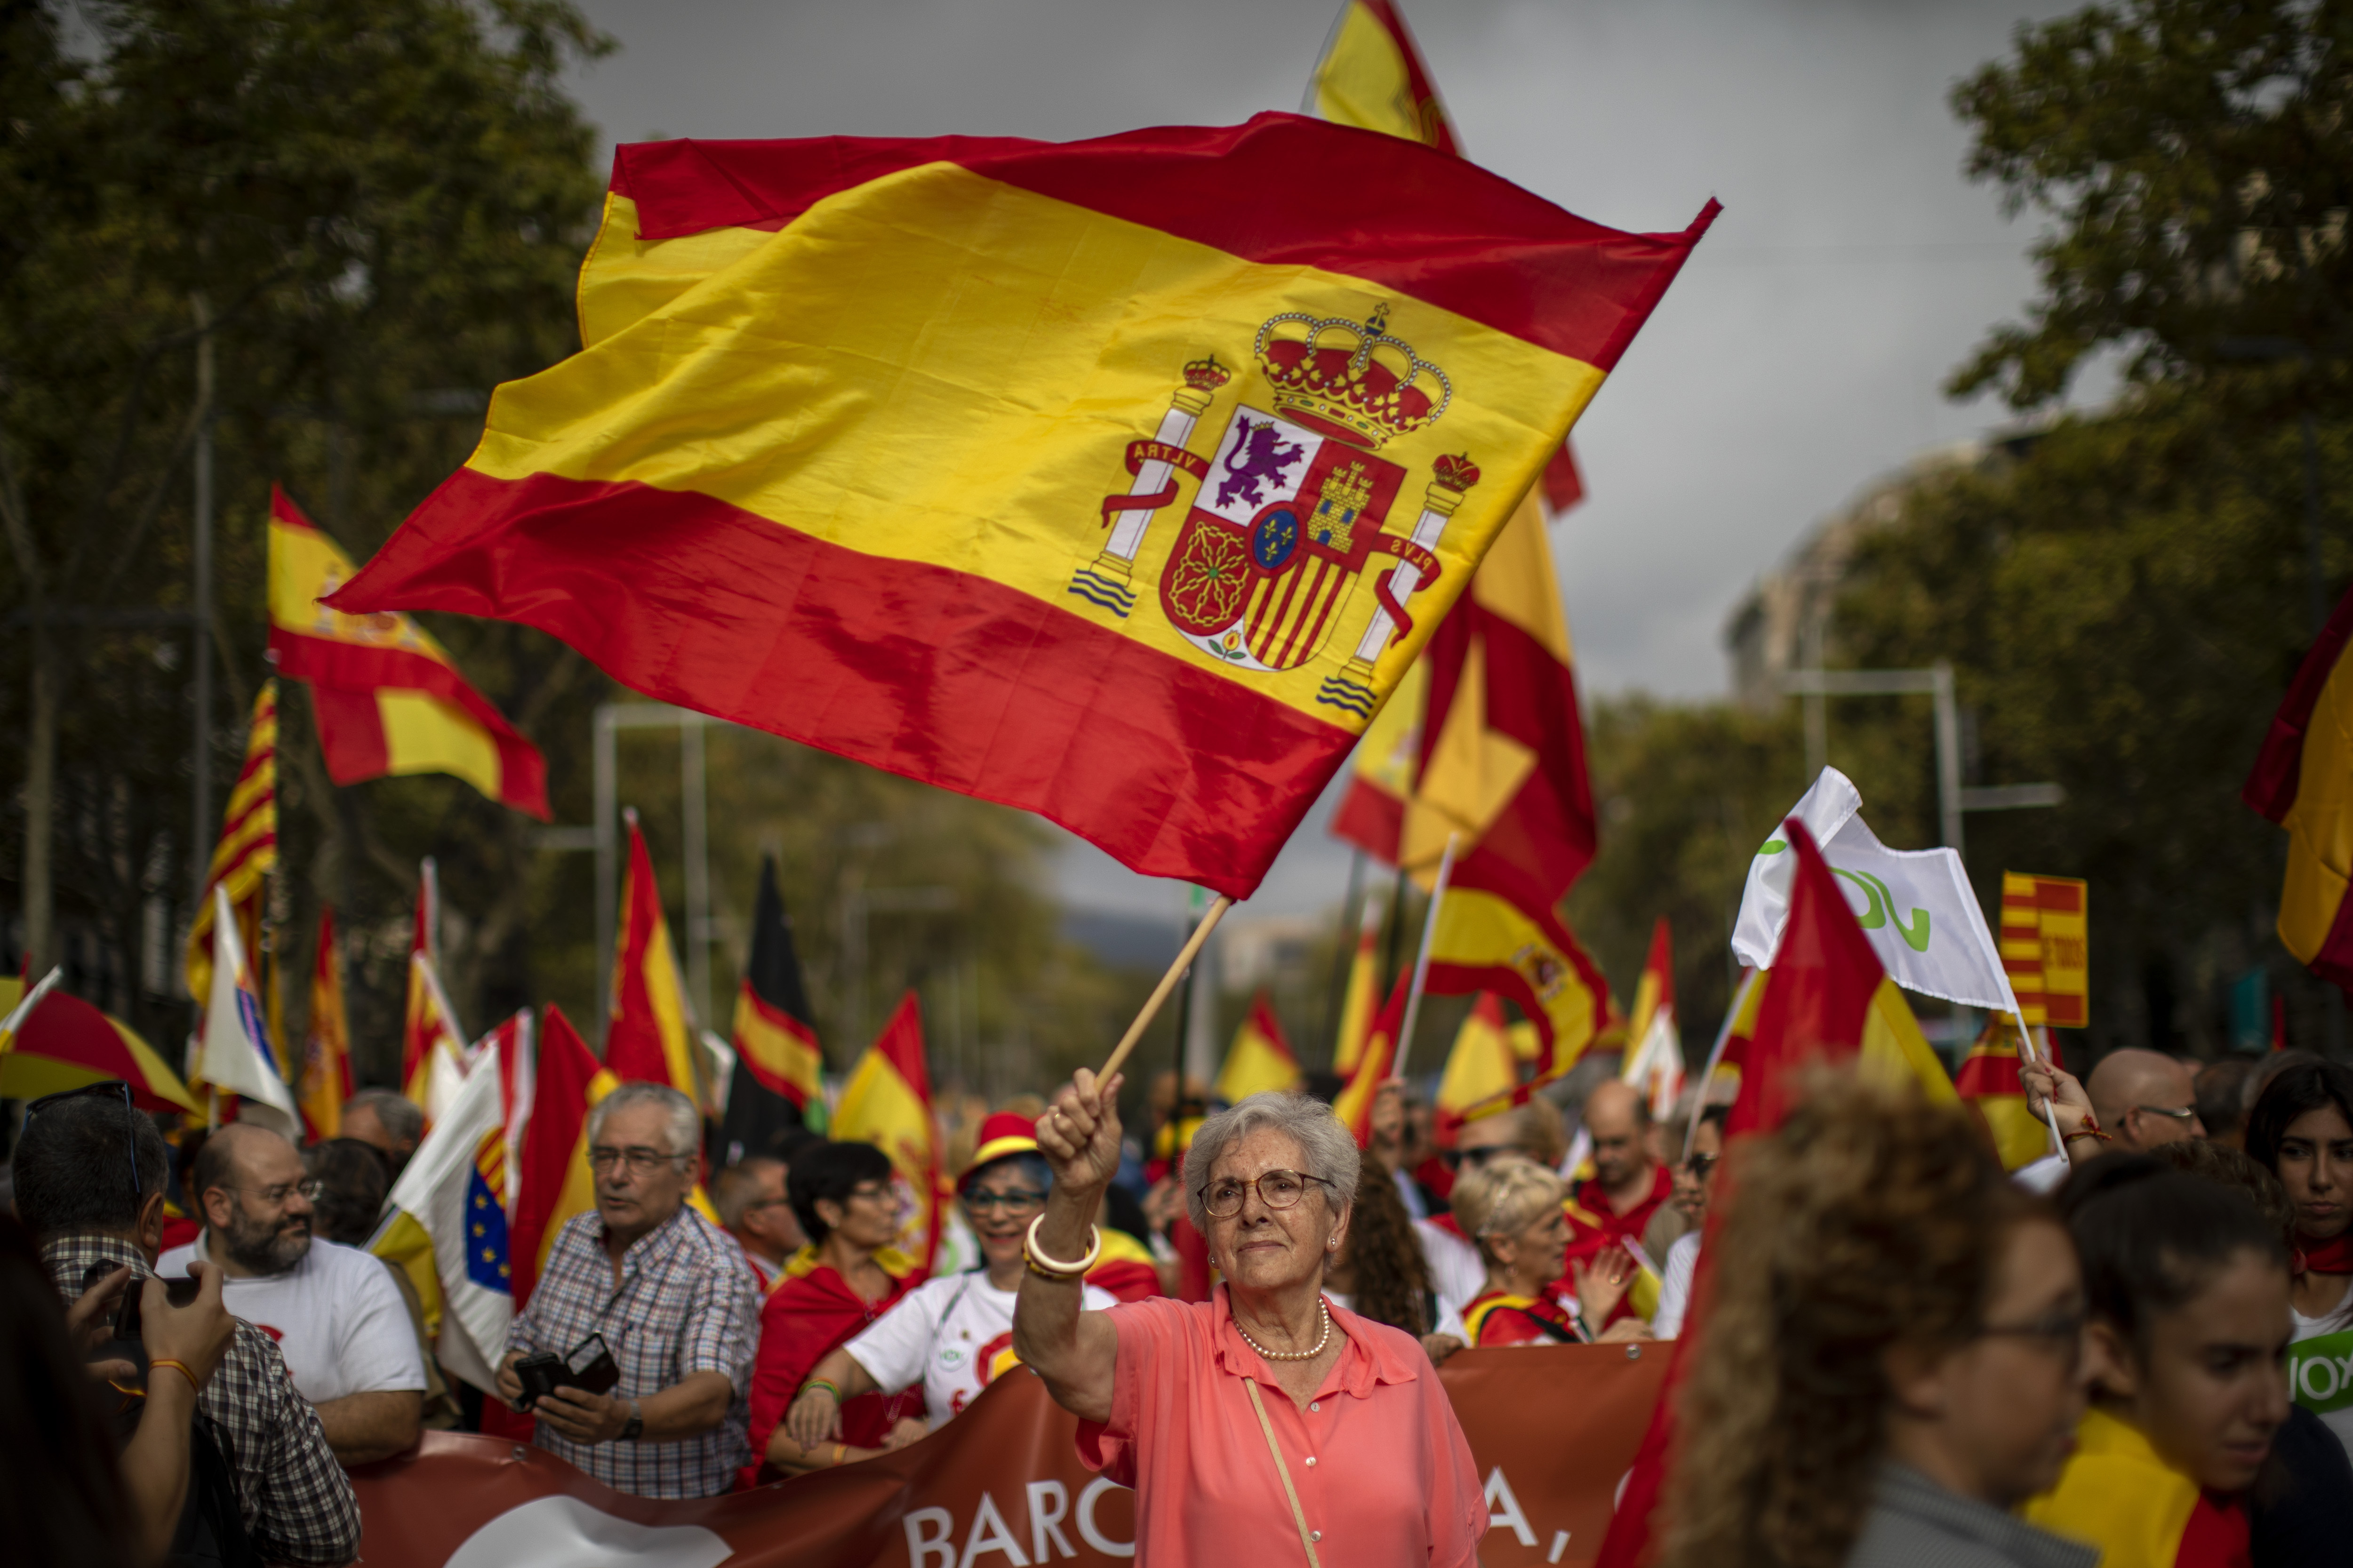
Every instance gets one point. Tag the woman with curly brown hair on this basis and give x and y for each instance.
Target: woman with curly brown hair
(1892, 1355)
(1382, 1275)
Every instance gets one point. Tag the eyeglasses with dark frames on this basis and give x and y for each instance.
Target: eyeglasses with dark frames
(111, 1088)
(2060, 1332)
(1276, 1189)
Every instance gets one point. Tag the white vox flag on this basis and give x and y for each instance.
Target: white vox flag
(236, 1055)
(1655, 1065)
(445, 1225)
(1915, 905)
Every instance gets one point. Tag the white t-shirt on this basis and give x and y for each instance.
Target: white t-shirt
(953, 1334)
(337, 1317)
(1455, 1272)
(1674, 1285)
(2320, 1368)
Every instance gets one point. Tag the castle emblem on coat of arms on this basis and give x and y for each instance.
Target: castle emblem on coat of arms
(1291, 503)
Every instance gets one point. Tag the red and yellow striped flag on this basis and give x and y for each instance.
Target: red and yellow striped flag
(888, 1103)
(248, 850)
(1989, 1081)
(1117, 480)
(556, 1183)
(385, 697)
(2303, 780)
(326, 1081)
(1485, 942)
(2045, 950)
(648, 1037)
(1260, 1058)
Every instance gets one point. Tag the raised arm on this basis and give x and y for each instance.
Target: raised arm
(1074, 1351)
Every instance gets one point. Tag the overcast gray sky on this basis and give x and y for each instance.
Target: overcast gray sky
(1799, 355)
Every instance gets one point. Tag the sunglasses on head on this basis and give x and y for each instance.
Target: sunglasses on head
(109, 1088)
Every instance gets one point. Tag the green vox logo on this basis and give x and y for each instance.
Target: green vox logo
(1912, 928)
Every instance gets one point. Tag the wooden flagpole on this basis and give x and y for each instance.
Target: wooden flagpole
(1185, 957)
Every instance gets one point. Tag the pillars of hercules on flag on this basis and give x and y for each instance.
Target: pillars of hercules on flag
(1106, 581)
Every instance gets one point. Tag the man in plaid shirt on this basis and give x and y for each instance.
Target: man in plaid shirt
(89, 1175)
(670, 1297)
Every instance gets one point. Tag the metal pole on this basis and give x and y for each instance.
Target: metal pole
(201, 593)
(1948, 755)
(1344, 953)
(1816, 703)
(2315, 587)
(607, 861)
(698, 863)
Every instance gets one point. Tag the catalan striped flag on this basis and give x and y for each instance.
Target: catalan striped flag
(2303, 780)
(326, 1080)
(384, 697)
(779, 1066)
(1117, 480)
(888, 1103)
(650, 1035)
(2045, 948)
(248, 850)
(1258, 1058)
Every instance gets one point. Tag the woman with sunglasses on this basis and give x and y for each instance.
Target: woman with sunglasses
(1266, 1414)
(846, 1196)
(1694, 1183)
(953, 1335)
(2189, 1290)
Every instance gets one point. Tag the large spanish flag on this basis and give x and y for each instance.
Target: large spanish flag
(2303, 780)
(1118, 480)
(383, 695)
(648, 1036)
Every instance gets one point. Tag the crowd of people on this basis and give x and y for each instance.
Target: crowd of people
(1906, 1351)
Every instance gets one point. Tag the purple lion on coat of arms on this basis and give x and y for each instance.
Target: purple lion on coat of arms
(1259, 457)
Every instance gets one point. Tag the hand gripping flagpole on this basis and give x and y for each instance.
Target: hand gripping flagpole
(1185, 957)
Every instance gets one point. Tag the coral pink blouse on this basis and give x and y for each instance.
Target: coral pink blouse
(1383, 1472)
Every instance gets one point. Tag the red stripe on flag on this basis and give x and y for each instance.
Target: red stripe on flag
(1361, 203)
(930, 673)
(2271, 787)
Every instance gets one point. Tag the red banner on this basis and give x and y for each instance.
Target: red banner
(1553, 1428)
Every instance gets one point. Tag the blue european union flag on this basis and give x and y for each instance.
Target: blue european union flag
(486, 1235)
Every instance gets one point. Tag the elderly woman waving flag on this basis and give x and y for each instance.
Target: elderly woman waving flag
(1265, 1412)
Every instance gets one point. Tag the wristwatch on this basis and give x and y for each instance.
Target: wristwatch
(634, 1425)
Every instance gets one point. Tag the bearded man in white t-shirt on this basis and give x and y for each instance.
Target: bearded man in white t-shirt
(334, 1311)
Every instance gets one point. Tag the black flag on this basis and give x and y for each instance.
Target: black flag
(777, 1060)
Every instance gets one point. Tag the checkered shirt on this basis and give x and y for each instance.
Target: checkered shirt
(296, 1500)
(686, 1304)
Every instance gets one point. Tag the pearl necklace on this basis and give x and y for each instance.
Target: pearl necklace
(1322, 1340)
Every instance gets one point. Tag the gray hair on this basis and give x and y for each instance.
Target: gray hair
(685, 1123)
(401, 1116)
(1324, 1145)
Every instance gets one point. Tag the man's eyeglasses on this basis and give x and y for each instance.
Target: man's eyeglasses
(1276, 1189)
(1015, 1202)
(1701, 1165)
(111, 1088)
(641, 1162)
(309, 1187)
(2062, 1333)
(2182, 1113)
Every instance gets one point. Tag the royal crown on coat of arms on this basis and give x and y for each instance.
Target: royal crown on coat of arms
(1347, 379)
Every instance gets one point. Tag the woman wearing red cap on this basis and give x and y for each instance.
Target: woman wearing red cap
(952, 1336)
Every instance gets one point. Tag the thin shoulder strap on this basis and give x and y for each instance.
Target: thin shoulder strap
(1298, 1514)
